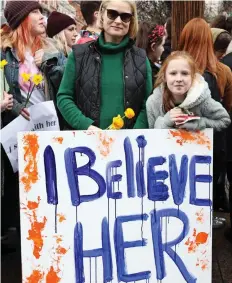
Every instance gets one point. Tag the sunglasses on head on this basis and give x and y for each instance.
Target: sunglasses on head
(113, 14)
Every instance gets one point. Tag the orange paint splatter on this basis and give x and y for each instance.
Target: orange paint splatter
(58, 253)
(61, 250)
(200, 216)
(196, 137)
(52, 276)
(105, 144)
(58, 239)
(35, 277)
(201, 238)
(196, 240)
(203, 263)
(35, 233)
(31, 148)
(33, 204)
(59, 140)
(61, 217)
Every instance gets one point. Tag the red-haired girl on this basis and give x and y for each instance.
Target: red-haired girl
(196, 39)
(25, 52)
(151, 37)
(180, 93)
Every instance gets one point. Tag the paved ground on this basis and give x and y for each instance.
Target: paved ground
(222, 259)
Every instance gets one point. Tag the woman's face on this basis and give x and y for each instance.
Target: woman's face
(178, 77)
(114, 26)
(70, 35)
(37, 22)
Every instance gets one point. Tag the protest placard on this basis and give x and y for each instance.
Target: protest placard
(43, 117)
(116, 206)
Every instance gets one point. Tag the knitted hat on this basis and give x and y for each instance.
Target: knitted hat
(58, 22)
(16, 11)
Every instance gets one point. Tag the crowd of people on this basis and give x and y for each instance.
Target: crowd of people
(112, 64)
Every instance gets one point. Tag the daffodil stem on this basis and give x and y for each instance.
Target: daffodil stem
(108, 128)
(4, 82)
(29, 94)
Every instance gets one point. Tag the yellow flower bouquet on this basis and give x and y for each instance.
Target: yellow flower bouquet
(118, 121)
(35, 79)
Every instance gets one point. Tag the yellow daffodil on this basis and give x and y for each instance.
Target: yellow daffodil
(26, 77)
(118, 122)
(37, 79)
(129, 113)
(3, 63)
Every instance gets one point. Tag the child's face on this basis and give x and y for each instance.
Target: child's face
(178, 77)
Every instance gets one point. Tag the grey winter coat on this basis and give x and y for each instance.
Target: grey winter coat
(198, 100)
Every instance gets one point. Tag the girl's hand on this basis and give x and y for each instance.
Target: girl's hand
(177, 115)
(7, 102)
(93, 128)
(38, 57)
(193, 125)
(25, 114)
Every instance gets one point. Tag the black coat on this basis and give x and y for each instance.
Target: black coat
(219, 146)
(227, 60)
(155, 70)
(212, 82)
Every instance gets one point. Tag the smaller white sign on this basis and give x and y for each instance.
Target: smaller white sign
(43, 117)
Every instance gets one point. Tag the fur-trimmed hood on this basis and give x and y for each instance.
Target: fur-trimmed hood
(198, 101)
(198, 93)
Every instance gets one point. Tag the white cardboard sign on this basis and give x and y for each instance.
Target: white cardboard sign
(116, 206)
(43, 117)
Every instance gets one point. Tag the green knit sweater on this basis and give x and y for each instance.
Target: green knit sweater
(111, 88)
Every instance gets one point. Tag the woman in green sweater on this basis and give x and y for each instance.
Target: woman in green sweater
(105, 77)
